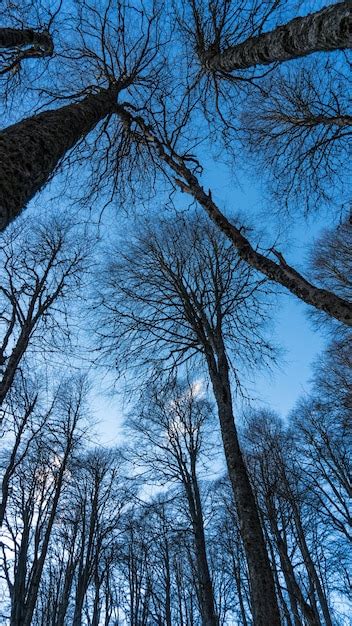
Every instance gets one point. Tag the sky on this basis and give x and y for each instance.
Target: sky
(293, 332)
(300, 342)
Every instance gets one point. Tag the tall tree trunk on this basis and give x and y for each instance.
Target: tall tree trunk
(262, 587)
(36, 574)
(96, 604)
(309, 564)
(205, 587)
(280, 595)
(18, 591)
(293, 588)
(65, 596)
(168, 591)
(237, 576)
(322, 31)
(31, 149)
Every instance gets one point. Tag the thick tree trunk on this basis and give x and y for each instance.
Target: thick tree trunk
(16, 38)
(264, 602)
(31, 149)
(322, 31)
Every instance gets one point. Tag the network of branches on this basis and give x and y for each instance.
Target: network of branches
(140, 287)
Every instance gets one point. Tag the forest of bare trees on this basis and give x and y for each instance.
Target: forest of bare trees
(137, 271)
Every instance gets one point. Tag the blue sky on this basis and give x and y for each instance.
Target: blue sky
(293, 331)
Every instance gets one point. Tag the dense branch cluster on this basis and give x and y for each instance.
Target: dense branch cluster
(121, 267)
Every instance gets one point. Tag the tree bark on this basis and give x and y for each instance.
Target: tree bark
(23, 44)
(31, 149)
(323, 31)
(262, 587)
(293, 588)
(16, 38)
(206, 594)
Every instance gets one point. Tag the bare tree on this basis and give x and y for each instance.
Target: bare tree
(331, 267)
(184, 168)
(21, 421)
(296, 128)
(182, 292)
(43, 266)
(170, 428)
(109, 56)
(101, 499)
(36, 494)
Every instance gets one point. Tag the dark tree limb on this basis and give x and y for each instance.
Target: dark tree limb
(22, 44)
(323, 31)
(280, 272)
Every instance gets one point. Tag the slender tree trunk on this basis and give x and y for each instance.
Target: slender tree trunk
(237, 576)
(279, 272)
(309, 564)
(293, 588)
(209, 617)
(65, 596)
(33, 588)
(322, 31)
(311, 120)
(86, 561)
(31, 149)
(262, 587)
(280, 595)
(18, 592)
(168, 614)
(14, 360)
(96, 605)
